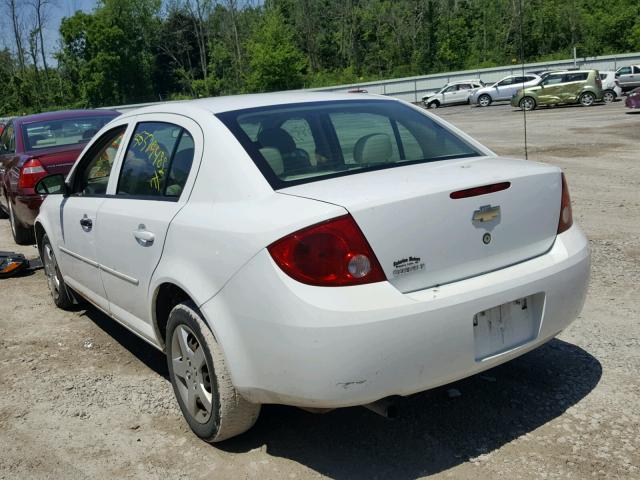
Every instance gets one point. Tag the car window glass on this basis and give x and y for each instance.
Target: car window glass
(636, 69)
(180, 165)
(450, 89)
(506, 81)
(603, 76)
(62, 132)
(300, 132)
(464, 86)
(576, 77)
(350, 136)
(145, 165)
(353, 127)
(410, 145)
(95, 172)
(552, 80)
(624, 71)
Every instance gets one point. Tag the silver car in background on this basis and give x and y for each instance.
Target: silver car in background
(628, 77)
(453, 93)
(503, 90)
(611, 89)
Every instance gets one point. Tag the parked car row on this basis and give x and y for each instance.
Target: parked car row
(262, 243)
(528, 91)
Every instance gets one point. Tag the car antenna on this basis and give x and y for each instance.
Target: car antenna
(524, 111)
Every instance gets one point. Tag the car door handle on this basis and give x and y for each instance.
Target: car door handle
(86, 223)
(144, 237)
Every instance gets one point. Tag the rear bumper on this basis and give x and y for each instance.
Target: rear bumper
(26, 208)
(295, 344)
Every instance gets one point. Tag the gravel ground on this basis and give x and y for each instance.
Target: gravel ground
(83, 398)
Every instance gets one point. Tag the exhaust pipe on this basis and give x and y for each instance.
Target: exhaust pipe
(385, 407)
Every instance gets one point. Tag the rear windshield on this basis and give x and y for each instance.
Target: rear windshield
(306, 142)
(61, 132)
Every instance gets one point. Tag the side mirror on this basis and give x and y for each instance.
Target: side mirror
(52, 185)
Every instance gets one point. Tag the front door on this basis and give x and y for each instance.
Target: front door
(152, 187)
(78, 212)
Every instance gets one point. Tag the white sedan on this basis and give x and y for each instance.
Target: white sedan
(311, 249)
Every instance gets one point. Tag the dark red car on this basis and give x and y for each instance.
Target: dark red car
(1, 127)
(633, 99)
(34, 146)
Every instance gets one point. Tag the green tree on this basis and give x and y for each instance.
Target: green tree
(275, 62)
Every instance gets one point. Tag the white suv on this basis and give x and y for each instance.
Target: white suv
(313, 249)
(453, 93)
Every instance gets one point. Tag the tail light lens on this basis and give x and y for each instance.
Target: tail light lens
(334, 253)
(566, 215)
(30, 173)
(599, 82)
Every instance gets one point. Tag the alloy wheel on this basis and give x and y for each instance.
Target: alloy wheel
(527, 103)
(608, 97)
(192, 373)
(484, 101)
(587, 99)
(51, 271)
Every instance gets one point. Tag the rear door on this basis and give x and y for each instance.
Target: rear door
(78, 217)
(154, 181)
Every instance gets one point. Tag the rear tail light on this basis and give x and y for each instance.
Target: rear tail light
(334, 253)
(599, 82)
(566, 215)
(30, 173)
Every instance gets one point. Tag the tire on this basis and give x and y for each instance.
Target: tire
(204, 375)
(21, 235)
(609, 96)
(434, 104)
(527, 103)
(484, 100)
(59, 290)
(587, 99)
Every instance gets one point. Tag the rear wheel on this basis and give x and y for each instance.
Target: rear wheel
(201, 382)
(527, 103)
(21, 235)
(59, 291)
(587, 99)
(609, 96)
(484, 100)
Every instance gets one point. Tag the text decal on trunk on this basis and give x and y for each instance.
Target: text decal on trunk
(407, 265)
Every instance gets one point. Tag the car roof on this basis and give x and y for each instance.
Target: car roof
(64, 114)
(229, 103)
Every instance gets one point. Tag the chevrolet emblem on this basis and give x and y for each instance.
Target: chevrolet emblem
(486, 214)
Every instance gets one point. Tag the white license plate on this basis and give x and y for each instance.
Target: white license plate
(506, 326)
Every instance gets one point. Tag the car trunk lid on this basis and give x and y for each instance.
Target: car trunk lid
(423, 237)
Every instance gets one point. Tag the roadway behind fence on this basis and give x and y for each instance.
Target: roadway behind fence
(413, 88)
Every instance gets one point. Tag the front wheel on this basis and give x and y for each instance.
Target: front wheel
(609, 96)
(527, 103)
(201, 381)
(434, 104)
(484, 100)
(59, 291)
(587, 99)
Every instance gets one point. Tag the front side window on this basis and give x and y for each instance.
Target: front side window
(349, 137)
(94, 171)
(624, 71)
(157, 161)
(57, 133)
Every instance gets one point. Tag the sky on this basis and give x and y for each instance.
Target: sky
(55, 12)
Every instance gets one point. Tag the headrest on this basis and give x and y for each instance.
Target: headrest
(277, 138)
(373, 148)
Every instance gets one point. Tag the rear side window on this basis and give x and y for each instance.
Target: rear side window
(576, 77)
(157, 161)
(636, 69)
(61, 132)
(347, 137)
